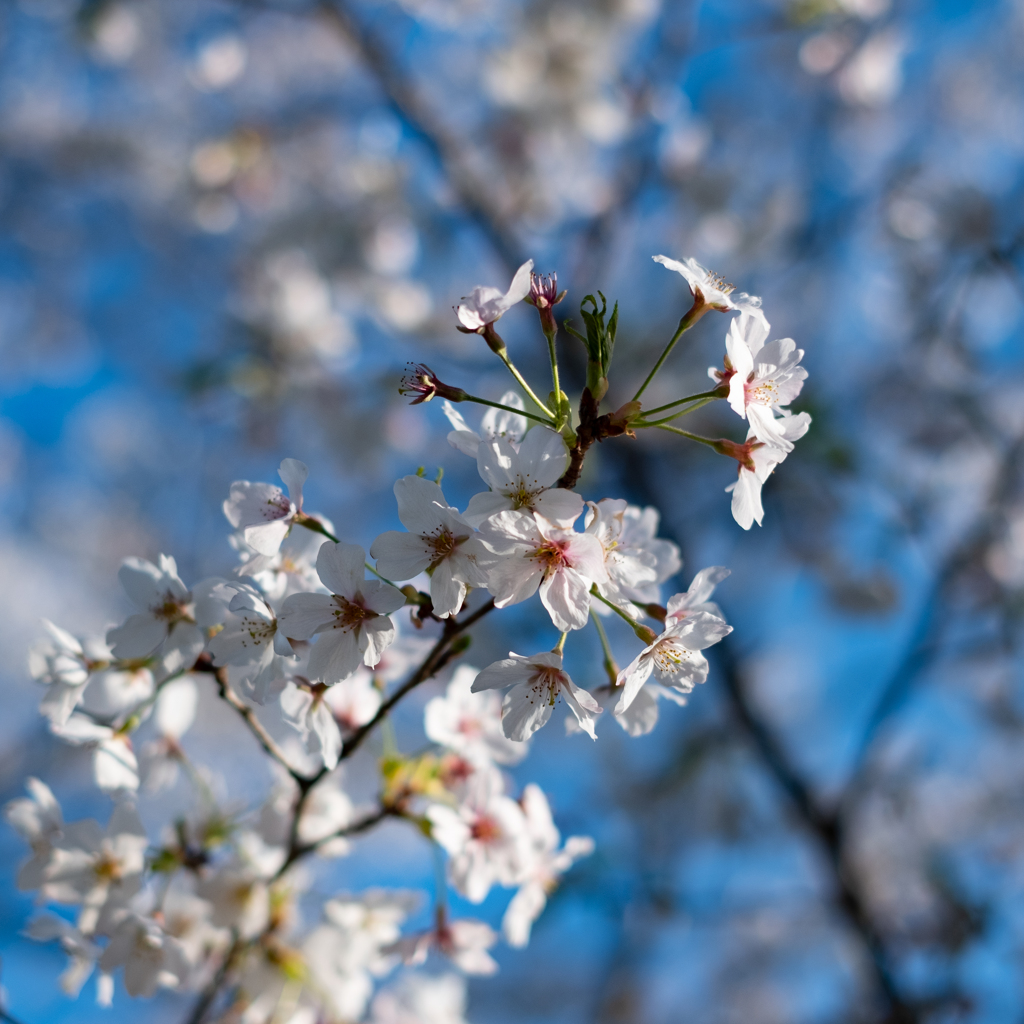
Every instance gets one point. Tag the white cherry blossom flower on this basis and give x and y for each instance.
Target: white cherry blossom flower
(535, 554)
(640, 534)
(544, 868)
(39, 820)
(65, 665)
(305, 710)
(717, 294)
(81, 950)
(352, 618)
(99, 869)
(173, 714)
(674, 657)
(354, 701)
(764, 377)
(167, 612)
(537, 684)
(628, 567)
(262, 512)
(494, 423)
(696, 597)
(757, 464)
(291, 570)
(418, 998)
(486, 304)
(150, 957)
(469, 724)
(525, 479)
(485, 836)
(465, 942)
(439, 541)
(350, 948)
(114, 764)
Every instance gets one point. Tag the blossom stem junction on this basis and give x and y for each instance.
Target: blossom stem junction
(610, 665)
(643, 632)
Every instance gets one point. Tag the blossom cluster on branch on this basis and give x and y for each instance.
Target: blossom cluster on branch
(311, 654)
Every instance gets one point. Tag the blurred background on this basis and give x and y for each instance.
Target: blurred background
(226, 226)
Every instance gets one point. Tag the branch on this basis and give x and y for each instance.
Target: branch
(402, 97)
(213, 986)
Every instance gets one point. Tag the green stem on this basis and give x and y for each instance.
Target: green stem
(554, 363)
(675, 415)
(697, 310)
(686, 433)
(560, 646)
(311, 523)
(609, 660)
(526, 387)
(717, 393)
(643, 632)
(508, 408)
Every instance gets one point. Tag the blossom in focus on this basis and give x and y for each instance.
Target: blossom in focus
(439, 540)
(525, 479)
(469, 723)
(262, 512)
(485, 836)
(716, 293)
(291, 570)
(486, 304)
(674, 657)
(696, 597)
(167, 612)
(764, 377)
(757, 462)
(352, 619)
(537, 684)
(251, 639)
(494, 423)
(546, 864)
(533, 554)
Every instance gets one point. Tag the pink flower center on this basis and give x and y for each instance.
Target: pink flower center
(551, 555)
(349, 615)
(485, 829)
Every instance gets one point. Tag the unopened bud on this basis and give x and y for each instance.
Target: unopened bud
(656, 611)
(645, 633)
(624, 415)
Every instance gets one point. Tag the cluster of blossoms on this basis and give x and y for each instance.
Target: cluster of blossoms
(312, 654)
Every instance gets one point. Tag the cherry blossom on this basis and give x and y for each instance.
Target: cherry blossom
(525, 479)
(305, 710)
(465, 942)
(712, 288)
(262, 512)
(546, 864)
(167, 612)
(114, 764)
(757, 462)
(39, 820)
(493, 424)
(149, 956)
(81, 950)
(64, 664)
(673, 657)
(421, 999)
(352, 618)
(99, 869)
(533, 553)
(291, 570)
(173, 715)
(537, 684)
(439, 541)
(484, 835)
(485, 304)
(696, 597)
(469, 723)
(764, 377)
